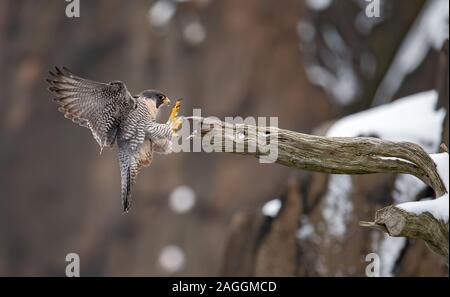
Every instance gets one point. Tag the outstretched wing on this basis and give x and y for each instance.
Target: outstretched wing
(97, 106)
(131, 162)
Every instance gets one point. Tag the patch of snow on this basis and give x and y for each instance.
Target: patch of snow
(346, 87)
(172, 258)
(441, 161)
(436, 207)
(334, 41)
(318, 75)
(337, 206)
(439, 207)
(406, 188)
(305, 231)
(342, 82)
(342, 85)
(271, 208)
(413, 118)
(194, 33)
(161, 13)
(389, 251)
(395, 159)
(182, 199)
(429, 31)
(318, 4)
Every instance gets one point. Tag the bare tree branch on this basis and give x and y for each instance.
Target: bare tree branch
(342, 155)
(335, 155)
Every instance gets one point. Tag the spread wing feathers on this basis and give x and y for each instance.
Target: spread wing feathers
(97, 106)
(131, 162)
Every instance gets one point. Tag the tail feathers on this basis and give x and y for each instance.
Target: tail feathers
(126, 192)
(127, 176)
(131, 162)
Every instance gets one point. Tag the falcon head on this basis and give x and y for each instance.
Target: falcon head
(156, 96)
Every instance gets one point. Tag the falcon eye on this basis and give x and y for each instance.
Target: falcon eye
(162, 99)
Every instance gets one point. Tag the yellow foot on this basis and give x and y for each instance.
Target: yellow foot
(174, 121)
(175, 110)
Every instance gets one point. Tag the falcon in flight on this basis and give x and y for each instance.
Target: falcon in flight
(115, 116)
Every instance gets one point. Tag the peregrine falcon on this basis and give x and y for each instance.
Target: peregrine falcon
(115, 116)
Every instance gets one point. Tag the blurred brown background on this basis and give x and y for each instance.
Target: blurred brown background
(229, 58)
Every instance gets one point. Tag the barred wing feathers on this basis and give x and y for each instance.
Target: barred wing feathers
(95, 105)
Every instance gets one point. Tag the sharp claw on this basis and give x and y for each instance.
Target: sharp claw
(175, 110)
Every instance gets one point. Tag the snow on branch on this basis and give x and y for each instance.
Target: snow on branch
(439, 208)
(427, 220)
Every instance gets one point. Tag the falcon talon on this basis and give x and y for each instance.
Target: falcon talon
(175, 110)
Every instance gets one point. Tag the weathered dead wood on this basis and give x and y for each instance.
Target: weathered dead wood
(341, 155)
(335, 155)
(400, 223)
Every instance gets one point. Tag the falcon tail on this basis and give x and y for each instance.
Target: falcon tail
(126, 163)
(131, 162)
(126, 192)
